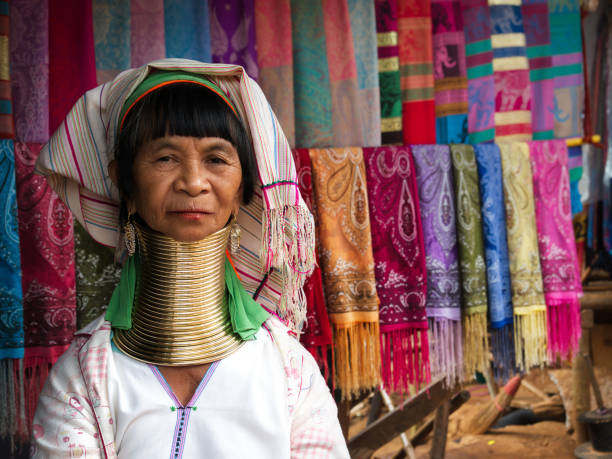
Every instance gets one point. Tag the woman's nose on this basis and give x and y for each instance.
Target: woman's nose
(193, 179)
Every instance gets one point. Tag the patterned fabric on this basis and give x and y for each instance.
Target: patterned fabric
(47, 263)
(232, 33)
(416, 70)
(399, 266)
(7, 127)
(435, 189)
(111, 38)
(317, 335)
(525, 272)
(511, 72)
(566, 51)
(363, 30)
(574, 164)
(147, 40)
(450, 81)
(560, 272)
(187, 29)
(30, 69)
(537, 35)
(347, 265)
(275, 60)
(470, 243)
(496, 257)
(388, 71)
(11, 309)
(479, 61)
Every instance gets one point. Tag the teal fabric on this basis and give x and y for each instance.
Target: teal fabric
(119, 312)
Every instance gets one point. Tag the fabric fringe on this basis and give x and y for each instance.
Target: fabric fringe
(357, 357)
(405, 358)
(36, 369)
(530, 339)
(446, 349)
(475, 344)
(563, 328)
(13, 422)
(502, 348)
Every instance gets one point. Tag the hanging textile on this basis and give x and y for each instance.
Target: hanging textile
(147, 40)
(560, 272)
(574, 164)
(399, 266)
(363, 30)
(7, 128)
(275, 61)
(471, 260)
(232, 34)
(111, 21)
(47, 263)
(566, 51)
(525, 272)
(537, 36)
(479, 62)
(317, 335)
(388, 71)
(510, 72)
(29, 64)
(416, 71)
(435, 189)
(450, 81)
(496, 257)
(347, 265)
(187, 29)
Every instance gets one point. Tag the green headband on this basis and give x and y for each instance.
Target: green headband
(158, 80)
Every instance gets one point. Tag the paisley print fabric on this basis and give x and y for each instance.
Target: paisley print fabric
(399, 265)
(347, 265)
(560, 272)
(111, 38)
(525, 273)
(472, 265)
(435, 190)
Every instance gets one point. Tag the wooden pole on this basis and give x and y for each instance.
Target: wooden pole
(438, 443)
(580, 381)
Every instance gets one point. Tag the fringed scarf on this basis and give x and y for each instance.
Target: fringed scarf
(388, 72)
(560, 273)
(479, 62)
(347, 265)
(449, 71)
(496, 257)
(399, 266)
(435, 189)
(471, 260)
(416, 70)
(525, 272)
(317, 335)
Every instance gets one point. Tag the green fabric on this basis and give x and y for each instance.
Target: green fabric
(245, 313)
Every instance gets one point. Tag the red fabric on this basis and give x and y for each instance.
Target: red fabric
(419, 121)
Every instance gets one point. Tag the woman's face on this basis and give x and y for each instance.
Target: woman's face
(186, 187)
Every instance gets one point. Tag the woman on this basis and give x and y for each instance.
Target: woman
(185, 363)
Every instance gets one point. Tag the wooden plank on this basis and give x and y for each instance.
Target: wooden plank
(438, 442)
(402, 418)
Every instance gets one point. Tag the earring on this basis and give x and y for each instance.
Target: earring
(130, 235)
(234, 237)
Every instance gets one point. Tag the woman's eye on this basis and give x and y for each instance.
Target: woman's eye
(164, 159)
(216, 160)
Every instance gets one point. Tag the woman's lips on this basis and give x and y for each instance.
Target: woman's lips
(190, 214)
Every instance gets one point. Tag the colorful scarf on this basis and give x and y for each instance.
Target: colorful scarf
(566, 51)
(574, 164)
(479, 61)
(471, 260)
(111, 38)
(416, 70)
(511, 72)
(537, 35)
(279, 226)
(525, 272)
(399, 266)
(147, 40)
(187, 29)
(47, 263)
(388, 71)
(450, 81)
(560, 273)
(275, 61)
(232, 34)
(7, 127)
(347, 266)
(435, 189)
(496, 257)
(363, 30)
(317, 335)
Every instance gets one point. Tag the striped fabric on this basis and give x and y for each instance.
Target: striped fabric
(75, 161)
(511, 72)
(7, 128)
(186, 29)
(479, 61)
(416, 71)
